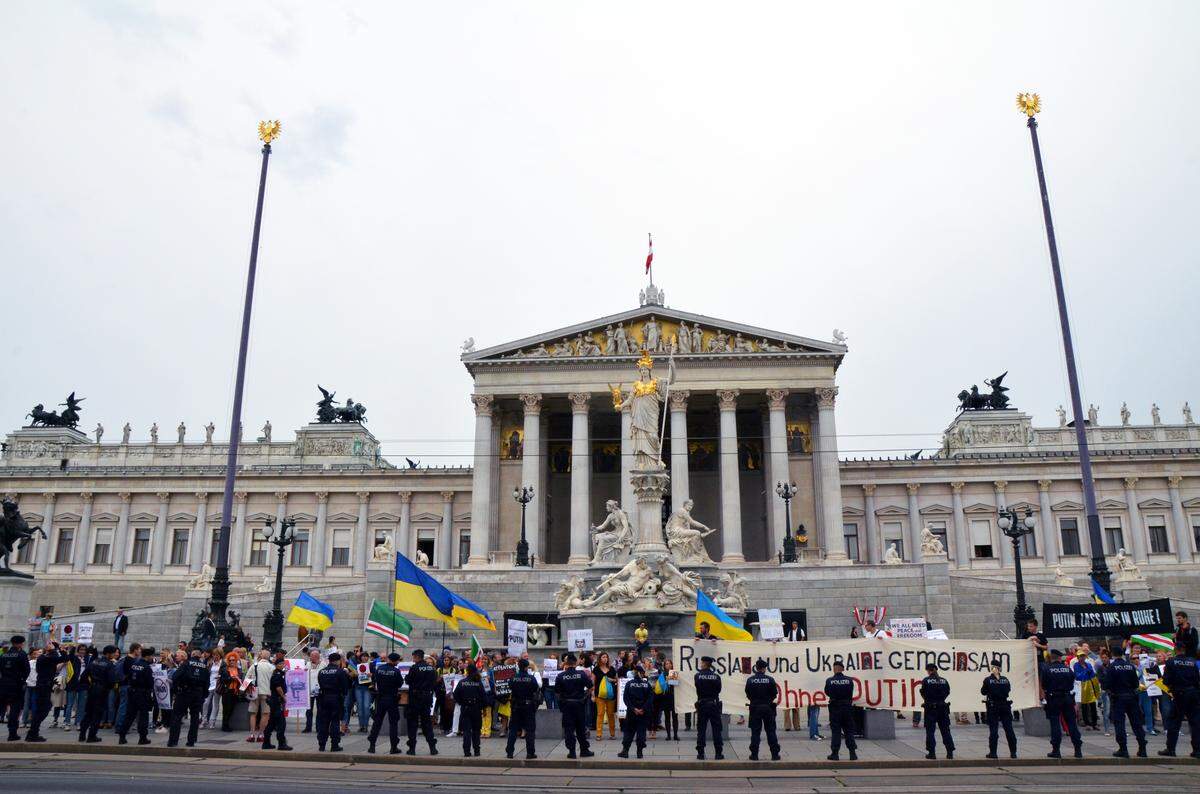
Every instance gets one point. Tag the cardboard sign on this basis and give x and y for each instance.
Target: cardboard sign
(451, 681)
(364, 673)
(907, 628)
(84, 632)
(162, 687)
(1097, 620)
(770, 624)
(621, 682)
(66, 633)
(503, 674)
(297, 689)
(579, 640)
(550, 670)
(518, 637)
(404, 667)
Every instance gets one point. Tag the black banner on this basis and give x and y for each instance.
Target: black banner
(1096, 620)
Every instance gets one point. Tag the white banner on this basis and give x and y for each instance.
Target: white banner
(162, 687)
(579, 640)
(770, 624)
(887, 672)
(518, 637)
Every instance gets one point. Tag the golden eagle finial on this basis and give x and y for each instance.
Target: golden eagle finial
(645, 360)
(268, 131)
(1029, 104)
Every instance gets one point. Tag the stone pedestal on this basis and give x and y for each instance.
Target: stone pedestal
(649, 485)
(335, 442)
(16, 597)
(43, 445)
(1131, 589)
(1008, 430)
(1037, 724)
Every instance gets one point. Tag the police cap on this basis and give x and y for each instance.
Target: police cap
(335, 657)
(393, 657)
(760, 665)
(17, 639)
(931, 668)
(570, 658)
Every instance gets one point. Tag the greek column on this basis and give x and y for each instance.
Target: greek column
(1006, 555)
(481, 481)
(962, 540)
(83, 544)
(1050, 535)
(237, 539)
(731, 494)
(871, 530)
(1136, 530)
(1183, 537)
(531, 463)
(198, 533)
(42, 559)
(121, 536)
(831, 477)
(779, 472)
(404, 532)
(581, 460)
(679, 448)
(280, 514)
(316, 553)
(446, 532)
(912, 538)
(159, 542)
(628, 498)
(363, 543)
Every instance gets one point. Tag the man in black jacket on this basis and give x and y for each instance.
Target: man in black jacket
(1182, 679)
(277, 722)
(761, 691)
(639, 699)
(935, 691)
(839, 688)
(98, 679)
(332, 685)
(140, 679)
(47, 667)
(14, 670)
(708, 707)
(120, 629)
(573, 690)
(470, 696)
(422, 681)
(1058, 684)
(525, 696)
(996, 690)
(387, 681)
(191, 688)
(1186, 636)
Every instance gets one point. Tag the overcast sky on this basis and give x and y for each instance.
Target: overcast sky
(491, 170)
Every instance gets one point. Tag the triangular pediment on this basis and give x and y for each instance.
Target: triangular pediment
(385, 517)
(1111, 504)
(105, 517)
(591, 339)
(1190, 503)
(979, 507)
(935, 510)
(182, 517)
(1023, 507)
(343, 517)
(66, 517)
(426, 516)
(462, 517)
(260, 517)
(143, 517)
(853, 512)
(1066, 505)
(892, 510)
(306, 517)
(1155, 504)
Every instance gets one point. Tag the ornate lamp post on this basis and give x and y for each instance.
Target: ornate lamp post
(524, 495)
(786, 491)
(273, 621)
(1016, 528)
(1031, 105)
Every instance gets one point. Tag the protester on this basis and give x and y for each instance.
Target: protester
(1186, 636)
(230, 685)
(664, 700)
(604, 691)
(1089, 689)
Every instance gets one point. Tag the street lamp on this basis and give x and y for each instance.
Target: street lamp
(1016, 528)
(524, 495)
(786, 492)
(273, 621)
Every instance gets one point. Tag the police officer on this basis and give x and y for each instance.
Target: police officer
(190, 687)
(525, 695)
(839, 688)
(1058, 684)
(14, 669)
(639, 699)
(708, 707)
(469, 695)
(1182, 680)
(46, 667)
(761, 691)
(98, 680)
(386, 680)
(140, 680)
(422, 680)
(995, 690)
(332, 686)
(573, 690)
(935, 691)
(277, 722)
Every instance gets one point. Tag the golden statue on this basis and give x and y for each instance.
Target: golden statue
(643, 403)
(1029, 104)
(268, 131)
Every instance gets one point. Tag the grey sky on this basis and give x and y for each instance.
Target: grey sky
(491, 170)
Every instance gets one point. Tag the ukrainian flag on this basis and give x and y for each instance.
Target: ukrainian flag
(1100, 595)
(418, 593)
(471, 613)
(311, 613)
(720, 625)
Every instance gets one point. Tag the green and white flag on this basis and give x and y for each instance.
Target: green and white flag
(387, 623)
(476, 649)
(1155, 642)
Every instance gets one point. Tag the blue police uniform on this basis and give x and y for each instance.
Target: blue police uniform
(573, 689)
(332, 686)
(470, 697)
(387, 680)
(761, 691)
(1058, 684)
(935, 690)
(422, 680)
(141, 700)
(524, 696)
(14, 670)
(98, 679)
(839, 688)
(191, 689)
(996, 690)
(1182, 679)
(639, 699)
(708, 711)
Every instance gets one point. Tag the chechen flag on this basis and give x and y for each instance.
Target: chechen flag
(650, 254)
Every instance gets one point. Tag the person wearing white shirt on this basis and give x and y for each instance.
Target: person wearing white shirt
(869, 630)
(212, 704)
(795, 633)
(314, 664)
(260, 709)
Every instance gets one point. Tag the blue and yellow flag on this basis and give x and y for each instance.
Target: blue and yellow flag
(471, 613)
(311, 613)
(418, 593)
(720, 625)
(1100, 595)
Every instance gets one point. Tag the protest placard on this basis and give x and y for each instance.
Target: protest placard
(84, 632)
(296, 680)
(1097, 620)
(770, 624)
(503, 675)
(518, 636)
(907, 628)
(579, 640)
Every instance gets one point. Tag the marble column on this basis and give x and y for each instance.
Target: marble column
(831, 478)
(679, 449)
(158, 543)
(628, 498)
(237, 538)
(1050, 538)
(1137, 533)
(779, 471)
(531, 463)
(1183, 534)
(481, 481)
(42, 557)
(319, 536)
(121, 537)
(281, 498)
(1006, 555)
(83, 542)
(962, 535)
(731, 492)
(199, 533)
(363, 542)
(912, 538)
(871, 537)
(446, 532)
(405, 534)
(581, 459)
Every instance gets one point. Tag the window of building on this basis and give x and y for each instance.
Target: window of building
(1068, 528)
(893, 532)
(938, 528)
(141, 546)
(1113, 537)
(84, 609)
(25, 553)
(103, 548)
(213, 545)
(427, 545)
(981, 538)
(300, 548)
(66, 543)
(464, 548)
(179, 545)
(258, 548)
(339, 556)
(1156, 527)
(1196, 529)
(850, 533)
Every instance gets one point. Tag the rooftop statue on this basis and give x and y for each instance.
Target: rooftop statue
(974, 400)
(328, 412)
(70, 417)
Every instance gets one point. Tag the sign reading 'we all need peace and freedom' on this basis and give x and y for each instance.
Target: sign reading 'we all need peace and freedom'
(887, 672)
